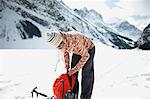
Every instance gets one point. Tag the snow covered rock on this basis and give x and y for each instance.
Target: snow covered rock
(144, 41)
(27, 29)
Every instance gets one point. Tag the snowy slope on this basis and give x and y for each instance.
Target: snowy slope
(18, 16)
(119, 74)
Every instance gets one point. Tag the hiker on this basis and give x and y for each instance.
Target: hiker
(83, 50)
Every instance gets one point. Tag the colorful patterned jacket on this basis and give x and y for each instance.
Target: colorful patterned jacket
(77, 43)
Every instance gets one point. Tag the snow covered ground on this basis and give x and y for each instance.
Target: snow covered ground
(119, 74)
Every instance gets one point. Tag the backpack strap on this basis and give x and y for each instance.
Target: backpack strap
(63, 94)
(72, 80)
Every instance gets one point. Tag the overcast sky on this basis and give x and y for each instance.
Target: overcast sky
(136, 12)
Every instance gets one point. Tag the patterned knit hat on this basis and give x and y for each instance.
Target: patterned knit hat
(54, 38)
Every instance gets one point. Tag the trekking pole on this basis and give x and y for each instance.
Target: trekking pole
(33, 91)
(37, 93)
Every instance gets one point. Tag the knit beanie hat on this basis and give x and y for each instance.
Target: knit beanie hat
(54, 38)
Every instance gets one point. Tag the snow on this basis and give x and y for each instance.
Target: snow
(119, 74)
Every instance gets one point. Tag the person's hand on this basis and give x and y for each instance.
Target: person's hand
(71, 72)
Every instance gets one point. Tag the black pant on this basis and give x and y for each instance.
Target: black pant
(87, 75)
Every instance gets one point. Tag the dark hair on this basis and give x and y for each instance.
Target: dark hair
(60, 45)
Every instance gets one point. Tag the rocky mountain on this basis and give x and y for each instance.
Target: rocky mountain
(24, 23)
(144, 40)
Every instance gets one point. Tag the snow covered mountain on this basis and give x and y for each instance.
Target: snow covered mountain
(24, 23)
(91, 15)
(124, 28)
(118, 26)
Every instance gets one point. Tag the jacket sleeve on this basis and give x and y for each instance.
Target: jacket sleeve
(67, 59)
(84, 57)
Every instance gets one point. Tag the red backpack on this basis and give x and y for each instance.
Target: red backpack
(62, 85)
